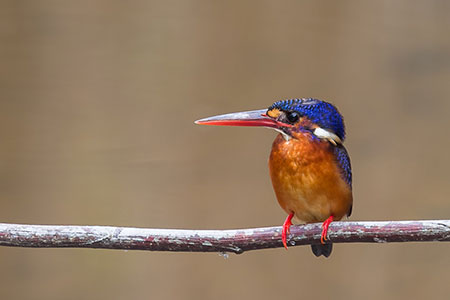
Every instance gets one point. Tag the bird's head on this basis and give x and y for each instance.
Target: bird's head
(290, 117)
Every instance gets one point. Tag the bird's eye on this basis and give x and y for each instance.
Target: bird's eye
(292, 117)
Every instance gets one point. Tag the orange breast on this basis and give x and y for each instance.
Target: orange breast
(307, 179)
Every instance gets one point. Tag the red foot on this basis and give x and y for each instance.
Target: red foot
(325, 225)
(285, 230)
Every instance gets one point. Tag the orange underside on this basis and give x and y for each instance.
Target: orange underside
(307, 180)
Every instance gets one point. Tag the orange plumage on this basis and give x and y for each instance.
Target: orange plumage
(307, 180)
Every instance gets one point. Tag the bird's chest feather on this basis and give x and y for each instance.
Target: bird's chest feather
(307, 179)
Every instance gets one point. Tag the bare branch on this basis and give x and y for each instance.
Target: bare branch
(236, 240)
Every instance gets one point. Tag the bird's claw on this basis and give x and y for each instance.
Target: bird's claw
(325, 225)
(286, 229)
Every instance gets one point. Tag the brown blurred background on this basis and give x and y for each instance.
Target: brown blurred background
(97, 103)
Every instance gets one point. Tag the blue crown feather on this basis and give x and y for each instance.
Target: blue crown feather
(322, 113)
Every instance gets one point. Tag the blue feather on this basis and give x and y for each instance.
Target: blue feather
(344, 163)
(322, 113)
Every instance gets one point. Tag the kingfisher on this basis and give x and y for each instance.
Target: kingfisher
(309, 165)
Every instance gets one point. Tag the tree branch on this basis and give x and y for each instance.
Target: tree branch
(236, 240)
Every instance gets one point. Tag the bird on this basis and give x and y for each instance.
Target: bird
(309, 166)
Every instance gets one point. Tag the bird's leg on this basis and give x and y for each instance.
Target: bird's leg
(325, 225)
(285, 231)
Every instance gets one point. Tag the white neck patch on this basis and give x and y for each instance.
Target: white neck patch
(327, 135)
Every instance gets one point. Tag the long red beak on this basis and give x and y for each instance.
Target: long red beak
(255, 118)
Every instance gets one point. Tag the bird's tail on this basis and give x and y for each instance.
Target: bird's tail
(322, 249)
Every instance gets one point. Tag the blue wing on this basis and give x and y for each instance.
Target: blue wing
(344, 163)
(346, 168)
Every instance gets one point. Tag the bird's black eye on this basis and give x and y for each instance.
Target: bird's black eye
(292, 117)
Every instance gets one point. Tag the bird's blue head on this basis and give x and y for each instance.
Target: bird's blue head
(305, 112)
